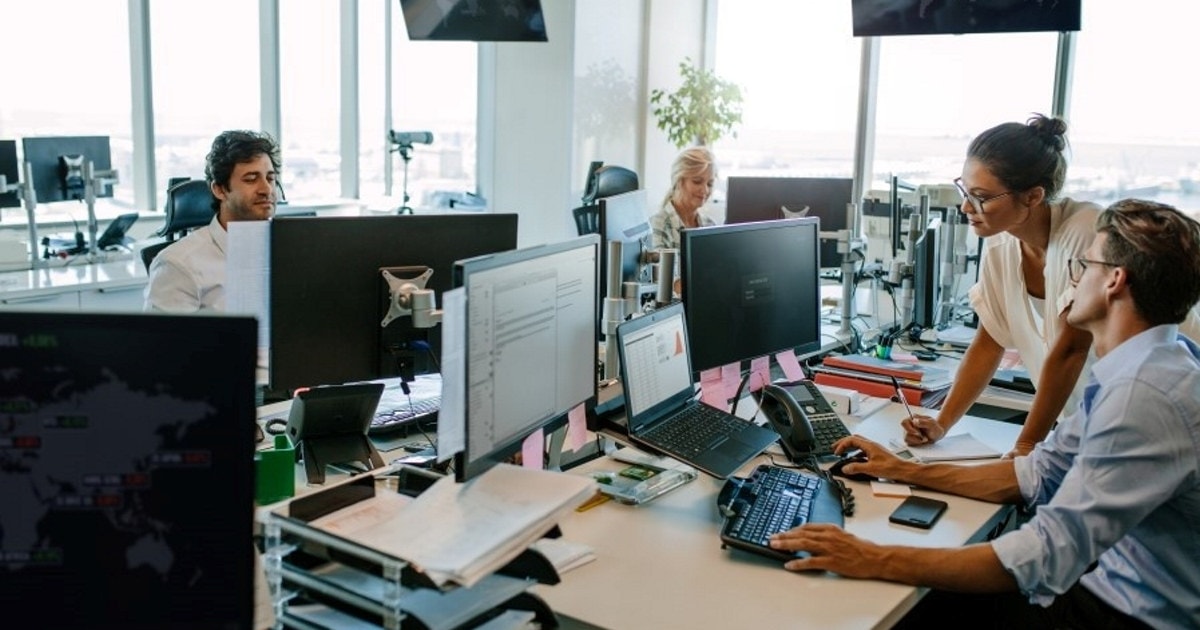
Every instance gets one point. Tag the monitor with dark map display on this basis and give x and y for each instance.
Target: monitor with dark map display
(126, 470)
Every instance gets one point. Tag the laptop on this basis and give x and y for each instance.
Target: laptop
(662, 410)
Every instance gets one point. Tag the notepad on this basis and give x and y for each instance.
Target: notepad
(950, 448)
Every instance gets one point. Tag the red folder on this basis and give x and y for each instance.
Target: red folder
(870, 388)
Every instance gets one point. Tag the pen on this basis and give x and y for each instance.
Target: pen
(900, 395)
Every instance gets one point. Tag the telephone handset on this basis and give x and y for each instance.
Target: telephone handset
(792, 409)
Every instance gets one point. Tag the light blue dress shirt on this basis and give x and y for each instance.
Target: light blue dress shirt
(1118, 483)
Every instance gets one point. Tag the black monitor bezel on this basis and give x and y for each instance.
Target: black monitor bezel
(695, 300)
(759, 199)
(10, 168)
(229, 341)
(475, 28)
(305, 343)
(959, 18)
(42, 155)
(465, 469)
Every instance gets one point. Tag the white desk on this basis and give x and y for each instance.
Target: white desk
(661, 565)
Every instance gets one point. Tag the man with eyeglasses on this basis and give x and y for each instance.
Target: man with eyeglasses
(189, 276)
(1114, 541)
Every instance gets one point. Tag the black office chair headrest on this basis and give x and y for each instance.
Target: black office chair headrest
(189, 205)
(609, 181)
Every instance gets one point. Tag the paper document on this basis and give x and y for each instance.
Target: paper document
(463, 532)
(950, 448)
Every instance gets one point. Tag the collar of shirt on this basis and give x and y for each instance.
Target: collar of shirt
(1130, 354)
(219, 236)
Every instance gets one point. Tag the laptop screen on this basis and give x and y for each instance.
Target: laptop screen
(655, 367)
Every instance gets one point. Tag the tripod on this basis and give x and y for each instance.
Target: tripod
(406, 155)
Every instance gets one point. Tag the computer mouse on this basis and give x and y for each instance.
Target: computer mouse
(836, 468)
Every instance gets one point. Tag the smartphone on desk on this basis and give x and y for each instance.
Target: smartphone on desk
(920, 512)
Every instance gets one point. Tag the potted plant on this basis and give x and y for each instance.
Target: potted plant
(701, 111)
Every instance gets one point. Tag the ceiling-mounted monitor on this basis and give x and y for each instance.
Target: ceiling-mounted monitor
(475, 20)
(934, 17)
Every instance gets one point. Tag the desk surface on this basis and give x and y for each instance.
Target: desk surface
(661, 564)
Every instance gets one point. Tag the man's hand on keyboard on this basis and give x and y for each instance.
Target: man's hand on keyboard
(830, 548)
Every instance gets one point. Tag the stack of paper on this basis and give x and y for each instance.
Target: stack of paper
(463, 532)
(950, 448)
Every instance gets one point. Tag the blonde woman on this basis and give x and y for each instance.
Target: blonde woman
(692, 176)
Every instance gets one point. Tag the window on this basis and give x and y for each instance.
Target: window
(67, 73)
(434, 89)
(372, 136)
(310, 98)
(1133, 118)
(607, 66)
(203, 83)
(937, 92)
(797, 64)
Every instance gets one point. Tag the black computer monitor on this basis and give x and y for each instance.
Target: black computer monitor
(477, 21)
(751, 289)
(57, 165)
(10, 168)
(927, 272)
(128, 480)
(765, 198)
(531, 354)
(328, 298)
(623, 218)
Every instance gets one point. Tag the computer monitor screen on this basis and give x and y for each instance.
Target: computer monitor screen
(923, 17)
(57, 165)
(767, 198)
(328, 298)
(128, 480)
(623, 218)
(10, 168)
(476, 21)
(531, 351)
(751, 289)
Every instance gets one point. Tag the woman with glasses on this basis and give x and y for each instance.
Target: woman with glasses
(1010, 184)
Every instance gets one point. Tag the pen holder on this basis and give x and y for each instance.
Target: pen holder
(275, 472)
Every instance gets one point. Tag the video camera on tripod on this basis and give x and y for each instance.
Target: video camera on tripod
(404, 141)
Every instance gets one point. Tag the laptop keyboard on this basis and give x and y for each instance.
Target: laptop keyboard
(773, 500)
(694, 430)
(827, 429)
(420, 409)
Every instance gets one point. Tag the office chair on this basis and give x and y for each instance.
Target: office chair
(609, 181)
(189, 206)
(603, 181)
(587, 219)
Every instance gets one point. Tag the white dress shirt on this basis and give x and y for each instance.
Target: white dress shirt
(189, 276)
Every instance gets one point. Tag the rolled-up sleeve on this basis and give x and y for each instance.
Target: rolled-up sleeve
(1123, 471)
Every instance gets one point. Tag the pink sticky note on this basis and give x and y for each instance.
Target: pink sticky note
(760, 373)
(576, 428)
(731, 377)
(532, 449)
(790, 364)
(712, 390)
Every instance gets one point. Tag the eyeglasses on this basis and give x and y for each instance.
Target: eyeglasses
(976, 202)
(1076, 266)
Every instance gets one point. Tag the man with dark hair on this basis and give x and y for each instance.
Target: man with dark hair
(189, 276)
(1114, 541)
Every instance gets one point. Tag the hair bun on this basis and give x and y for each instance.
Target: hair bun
(1052, 130)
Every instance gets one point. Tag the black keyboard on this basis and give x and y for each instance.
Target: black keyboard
(419, 410)
(773, 500)
(693, 430)
(827, 429)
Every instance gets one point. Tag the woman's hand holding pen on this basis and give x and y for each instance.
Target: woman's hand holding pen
(921, 429)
